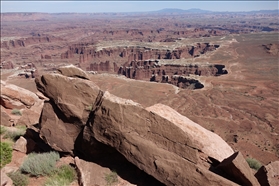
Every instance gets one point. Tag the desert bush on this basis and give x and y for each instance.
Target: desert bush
(253, 163)
(2, 129)
(15, 134)
(40, 164)
(16, 112)
(111, 178)
(89, 108)
(5, 153)
(62, 176)
(18, 178)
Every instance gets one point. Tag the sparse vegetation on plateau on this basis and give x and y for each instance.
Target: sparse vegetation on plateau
(14, 134)
(16, 112)
(2, 129)
(5, 153)
(111, 178)
(40, 164)
(62, 176)
(253, 163)
(18, 178)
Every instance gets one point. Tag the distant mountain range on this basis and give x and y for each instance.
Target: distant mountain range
(176, 10)
(200, 11)
(162, 11)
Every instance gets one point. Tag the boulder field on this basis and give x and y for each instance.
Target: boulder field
(158, 140)
(19, 106)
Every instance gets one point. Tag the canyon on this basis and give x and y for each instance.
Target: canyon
(219, 71)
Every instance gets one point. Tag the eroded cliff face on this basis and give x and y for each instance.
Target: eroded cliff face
(143, 63)
(90, 54)
(24, 42)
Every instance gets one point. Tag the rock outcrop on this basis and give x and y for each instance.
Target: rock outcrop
(24, 42)
(24, 145)
(158, 140)
(238, 170)
(5, 180)
(86, 169)
(73, 71)
(153, 143)
(5, 118)
(269, 175)
(89, 54)
(28, 104)
(149, 64)
(67, 111)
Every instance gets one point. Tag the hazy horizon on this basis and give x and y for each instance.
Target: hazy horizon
(132, 6)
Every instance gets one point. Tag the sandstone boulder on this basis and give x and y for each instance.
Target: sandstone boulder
(31, 116)
(91, 173)
(20, 145)
(15, 93)
(269, 175)
(5, 180)
(238, 170)
(157, 143)
(204, 140)
(74, 97)
(152, 143)
(9, 103)
(5, 118)
(73, 71)
(14, 97)
(24, 145)
(67, 111)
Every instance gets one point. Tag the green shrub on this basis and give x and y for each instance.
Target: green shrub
(111, 178)
(89, 108)
(15, 134)
(40, 164)
(16, 112)
(253, 163)
(63, 176)
(2, 129)
(18, 178)
(5, 154)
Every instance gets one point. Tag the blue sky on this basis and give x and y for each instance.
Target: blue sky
(131, 6)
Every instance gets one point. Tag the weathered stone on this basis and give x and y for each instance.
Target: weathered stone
(20, 145)
(91, 173)
(74, 97)
(14, 97)
(238, 170)
(269, 175)
(157, 143)
(24, 145)
(9, 103)
(62, 118)
(41, 96)
(19, 94)
(204, 140)
(5, 118)
(31, 116)
(151, 142)
(73, 71)
(5, 180)
(58, 131)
